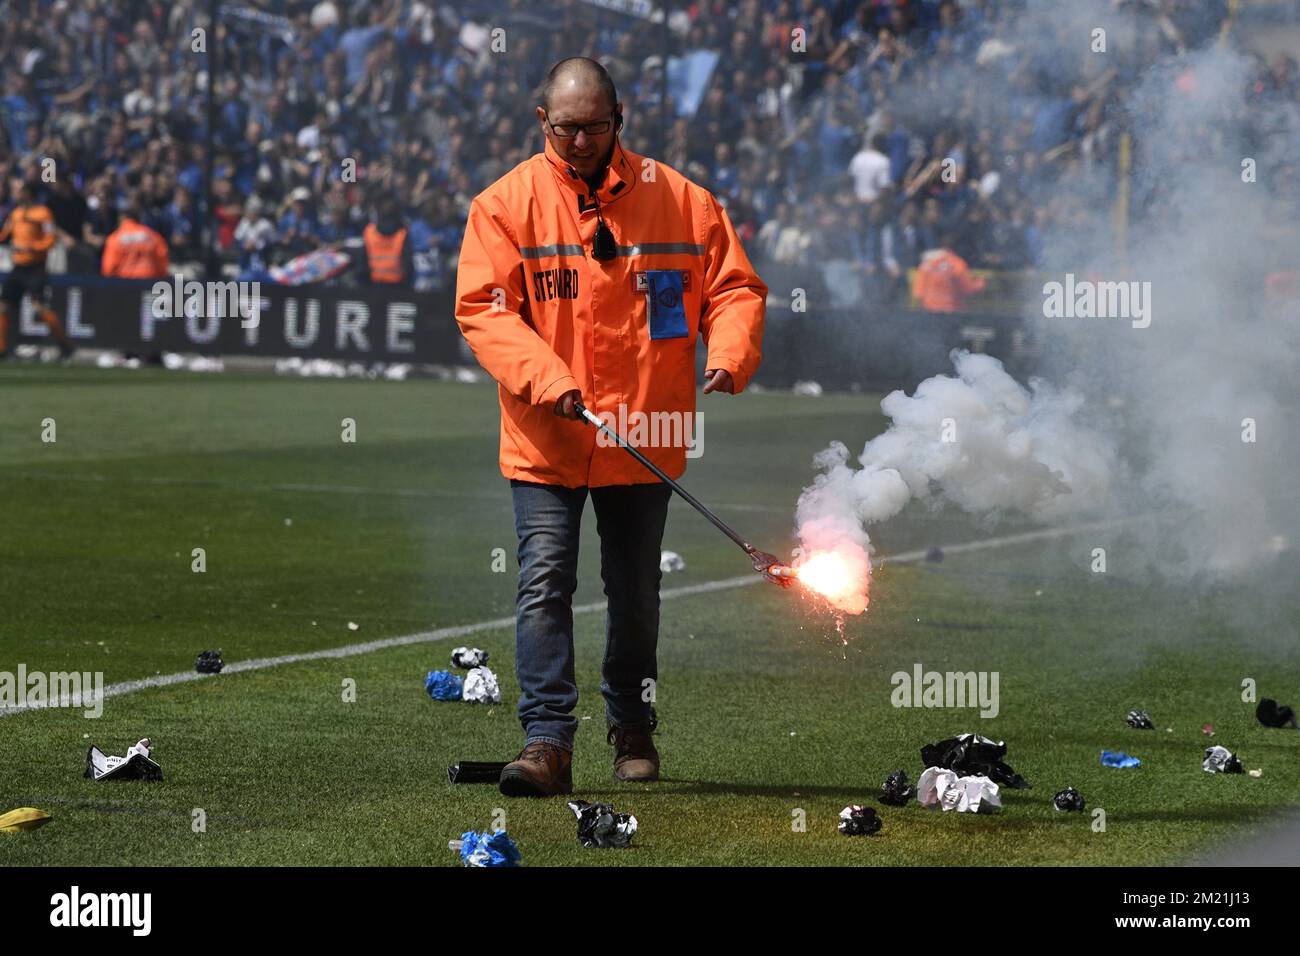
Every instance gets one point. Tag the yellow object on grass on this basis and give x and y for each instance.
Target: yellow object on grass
(24, 818)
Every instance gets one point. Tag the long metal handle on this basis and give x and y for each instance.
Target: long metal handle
(690, 499)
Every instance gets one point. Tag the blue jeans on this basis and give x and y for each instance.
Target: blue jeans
(630, 521)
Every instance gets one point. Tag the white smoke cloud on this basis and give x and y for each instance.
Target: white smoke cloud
(979, 440)
(1217, 353)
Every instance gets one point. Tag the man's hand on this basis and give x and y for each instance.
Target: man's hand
(566, 404)
(718, 380)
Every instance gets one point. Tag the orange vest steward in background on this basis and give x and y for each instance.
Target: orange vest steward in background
(943, 281)
(134, 251)
(384, 253)
(564, 320)
(32, 232)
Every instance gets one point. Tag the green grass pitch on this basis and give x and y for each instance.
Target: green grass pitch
(764, 711)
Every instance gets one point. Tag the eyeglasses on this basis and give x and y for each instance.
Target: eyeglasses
(570, 130)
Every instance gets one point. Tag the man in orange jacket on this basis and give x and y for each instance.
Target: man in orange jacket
(586, 274)
(944, 280)
(30, 228)
(133, 250)
(386, 246)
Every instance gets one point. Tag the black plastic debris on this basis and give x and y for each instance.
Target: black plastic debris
(475, 771)
(1221, 760)
(599, 825)
(934, 555)
(469, 658)
(896, 791)
(136, 765)
(859, 821)
(1272, 714)
(654, 719)
(1139, 720)
(1068, 800)
(209, 662)
(973, 755)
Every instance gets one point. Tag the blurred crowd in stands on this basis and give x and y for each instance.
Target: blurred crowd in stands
(857, 136)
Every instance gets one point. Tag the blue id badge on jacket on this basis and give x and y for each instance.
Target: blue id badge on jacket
(665, 304)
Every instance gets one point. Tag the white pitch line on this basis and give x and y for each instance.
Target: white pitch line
(1043, 534)
(465, 630)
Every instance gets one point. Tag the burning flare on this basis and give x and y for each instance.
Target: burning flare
(841, 576)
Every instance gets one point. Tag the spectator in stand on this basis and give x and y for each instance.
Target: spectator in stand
(835, 143)
(134, 251)
(254, 238)
(934, 173)
(897, 143)
(334, 222)
(909, 244)
(181, 226)
(943, 280)
(72, 217)
(102, 215)
(426, 260)
(949, 30)
(227, 213)
(891, 56)
(1004, 245)
(744, 217)
(297, 227)
(356, 43)
(870, 170)
(931, 224)
(797, 239)
(880, 265)
(766, 238)
(857, 36)
(724, 173)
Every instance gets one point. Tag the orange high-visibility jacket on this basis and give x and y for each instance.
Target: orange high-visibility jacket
(943, 281)
(134, 251)
(384, 254)
(543, 317)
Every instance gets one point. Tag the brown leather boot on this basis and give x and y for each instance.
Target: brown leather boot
(635, 756)
(540, 770)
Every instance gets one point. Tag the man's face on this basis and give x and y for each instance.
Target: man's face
(580, 104)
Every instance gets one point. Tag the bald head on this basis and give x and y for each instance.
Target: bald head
(578, 73)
